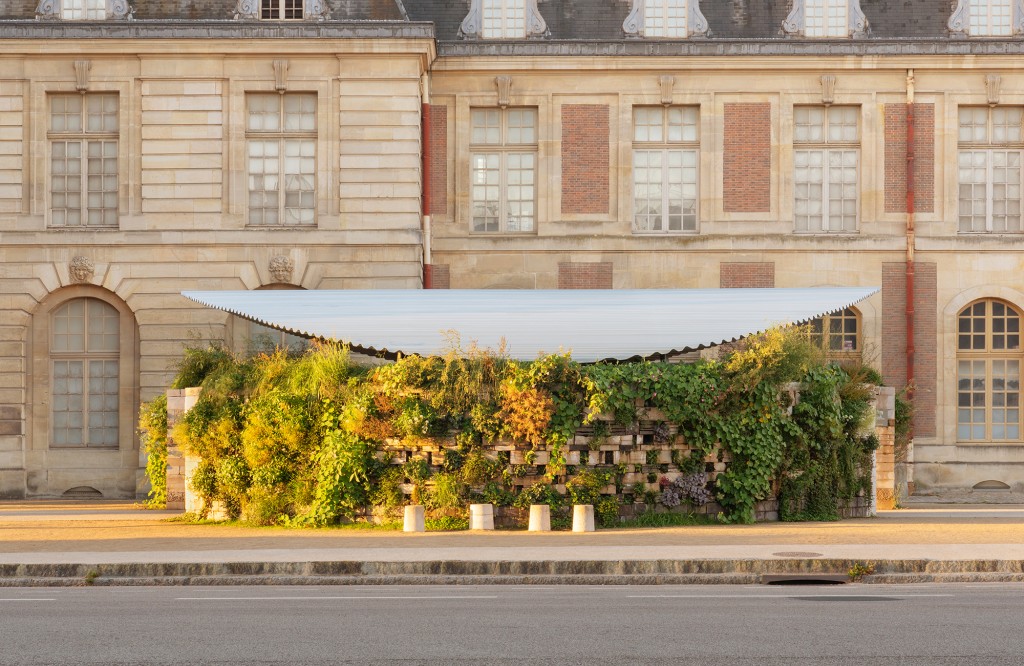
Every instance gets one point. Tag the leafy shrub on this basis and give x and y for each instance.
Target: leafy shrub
(153, 429)
(539, 493)
(585, 487)
(606, 511)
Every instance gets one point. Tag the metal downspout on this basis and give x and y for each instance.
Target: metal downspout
(428, 277)
(911, 239)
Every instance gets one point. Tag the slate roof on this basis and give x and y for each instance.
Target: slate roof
(594, 21)
(601, 20)
(199, 10)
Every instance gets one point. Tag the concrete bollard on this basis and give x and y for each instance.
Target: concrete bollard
(583, 518)
(481, 516)
(540, 518)
(414, 521)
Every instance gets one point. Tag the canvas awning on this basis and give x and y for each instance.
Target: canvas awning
(592, 324)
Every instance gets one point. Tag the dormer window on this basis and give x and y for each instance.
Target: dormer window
(282, 10)
(987, 18)
(276, 10)
(665, 19)
(826, 19)
(88, 10)
(84, 10)
(503, 19)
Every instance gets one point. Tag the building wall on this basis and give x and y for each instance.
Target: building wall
(746, 210)
(182, 223)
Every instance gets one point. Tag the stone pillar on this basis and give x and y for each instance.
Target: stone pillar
(481, 516)
(414, 521)
(540, 518)
(885, 460)
(583, 518)
(179, 401)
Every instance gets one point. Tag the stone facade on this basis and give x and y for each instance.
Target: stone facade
(181, 72)
(182, 196)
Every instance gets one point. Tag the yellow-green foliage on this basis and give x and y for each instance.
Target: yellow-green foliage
(153, 428)
(305, 439)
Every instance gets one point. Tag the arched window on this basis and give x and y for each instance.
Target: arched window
(838, 334)
(988, 372)
(85, 371)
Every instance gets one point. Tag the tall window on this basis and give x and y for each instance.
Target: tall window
(988, 372)
(990, 169)
(281, 9)
(665, 144)
(84, 358)
(504, 158)
(826, 154)
(837, 333)
(83, 9)
(83, 160)
(665, 18)
(281, 134)
(990, 17)
(826, 18)
(503, 19)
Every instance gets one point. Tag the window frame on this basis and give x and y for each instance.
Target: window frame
(962, 24)
(665, 146)
(84, 138)
(990, 148)
(280, 8)
(503, 150)
(85, 357)
(986, 358)
(857, 25)
(473, 25)
(112, 10)
(827, 148)
(822, 338)
(282, 136)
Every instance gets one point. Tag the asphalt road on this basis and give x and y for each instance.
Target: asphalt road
(851, 624)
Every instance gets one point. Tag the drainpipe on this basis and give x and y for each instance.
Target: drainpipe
(428, 278)
(910, 233)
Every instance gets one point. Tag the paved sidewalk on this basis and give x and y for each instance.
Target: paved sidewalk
(945, 539)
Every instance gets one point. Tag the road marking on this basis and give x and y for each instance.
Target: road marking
(769, 596)
(319, 598)
(2, 600)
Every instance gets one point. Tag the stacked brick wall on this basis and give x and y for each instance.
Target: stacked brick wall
(585, 164)
(896, 158)
(747, 159)
(894, 338)
(746, 274)
(438, 160)
(440, 275)
(590, 275)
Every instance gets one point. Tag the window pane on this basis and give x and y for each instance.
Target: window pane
(665, 18)
(808, 124)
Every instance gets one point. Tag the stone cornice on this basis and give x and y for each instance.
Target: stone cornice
(214, 30)
(737, 47)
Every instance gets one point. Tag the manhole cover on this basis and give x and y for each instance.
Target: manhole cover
(796, 553)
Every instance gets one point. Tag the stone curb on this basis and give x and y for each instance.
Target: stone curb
(547, 572)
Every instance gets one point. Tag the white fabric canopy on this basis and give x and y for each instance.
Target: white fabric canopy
(592, 324)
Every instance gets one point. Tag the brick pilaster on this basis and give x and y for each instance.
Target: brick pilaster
(745, 274)
(585, 275)
(896, 158)
(747, 158)
(585, 165)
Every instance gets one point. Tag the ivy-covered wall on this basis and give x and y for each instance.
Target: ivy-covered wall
(315, 439)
